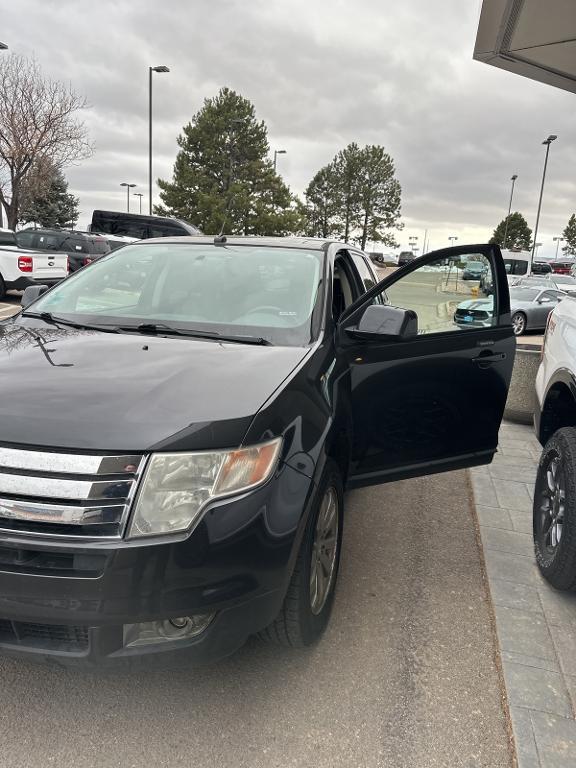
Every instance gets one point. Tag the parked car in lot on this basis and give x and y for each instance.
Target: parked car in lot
(563, 267)
(20, 268)
(529, 309)
(405, 257)
(554, 512)
(140, 226)
(564, 283)
(474, 270)
(541, 268)
(78, 245)
(172, 473)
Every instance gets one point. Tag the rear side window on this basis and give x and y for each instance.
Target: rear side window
(364, 271)
(516, 266)
(99, 245)
(7, 238)
(25, 239)
(48, 242)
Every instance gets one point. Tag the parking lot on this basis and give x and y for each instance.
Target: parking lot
(404, 677)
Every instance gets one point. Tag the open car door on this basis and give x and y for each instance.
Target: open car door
(430, 359)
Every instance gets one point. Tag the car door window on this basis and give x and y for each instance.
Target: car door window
(550, 296)
(343, 292)
(48, 242)
(363, 270)
(443, 298)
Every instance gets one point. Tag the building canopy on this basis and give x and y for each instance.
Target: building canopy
(534, 38)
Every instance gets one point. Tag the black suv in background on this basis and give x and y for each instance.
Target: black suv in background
(78, 245)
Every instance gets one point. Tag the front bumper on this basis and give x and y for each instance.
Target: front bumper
(72, 602)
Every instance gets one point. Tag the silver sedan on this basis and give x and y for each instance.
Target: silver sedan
(529, 307)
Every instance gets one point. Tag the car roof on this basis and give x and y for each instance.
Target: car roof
(65, 232)
(310, 243)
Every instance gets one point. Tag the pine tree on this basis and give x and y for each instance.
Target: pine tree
(569, 236)
(45, 198)
(356, 197)
(516, 231)
(223, 177)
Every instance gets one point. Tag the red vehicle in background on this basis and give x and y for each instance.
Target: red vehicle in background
(562, 267)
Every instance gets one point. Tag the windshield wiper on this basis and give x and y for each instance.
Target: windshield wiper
(162, 329)
(48, 317)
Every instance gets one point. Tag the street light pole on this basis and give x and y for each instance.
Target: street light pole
(547, 142)
(140, 196)
(128, 188)
(3, 47)
(276, 153)
(557, 240)
(452, 238)
(513, 180)
(150, 70)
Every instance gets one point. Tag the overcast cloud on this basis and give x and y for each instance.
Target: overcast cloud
(321, 73)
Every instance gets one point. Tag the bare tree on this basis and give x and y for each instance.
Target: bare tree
(38, 123)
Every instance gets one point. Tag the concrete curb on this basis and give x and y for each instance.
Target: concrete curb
(535, 624)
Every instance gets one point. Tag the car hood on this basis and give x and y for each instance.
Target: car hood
(484, 305)
(68, 388)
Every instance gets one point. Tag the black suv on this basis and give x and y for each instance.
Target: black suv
(178, 424)
(79, 246)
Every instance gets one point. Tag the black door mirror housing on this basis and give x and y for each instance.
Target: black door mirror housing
(385, 322)
(32, 293)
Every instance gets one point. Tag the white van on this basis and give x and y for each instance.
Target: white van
(517, 265)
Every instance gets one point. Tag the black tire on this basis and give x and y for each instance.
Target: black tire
(554, 512)
(297, 626)
(519, 323)
(2, 288)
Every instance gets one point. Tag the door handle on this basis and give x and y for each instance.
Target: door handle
(485, 360)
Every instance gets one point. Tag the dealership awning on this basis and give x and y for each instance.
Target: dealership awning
(534, 38)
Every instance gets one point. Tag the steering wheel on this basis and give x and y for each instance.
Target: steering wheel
(264, 308)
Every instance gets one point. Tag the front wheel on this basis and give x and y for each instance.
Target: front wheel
(2, 288)
(308, 602)
(554, 512)
(518, 323)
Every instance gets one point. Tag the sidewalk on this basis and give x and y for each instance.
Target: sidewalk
(536, 625)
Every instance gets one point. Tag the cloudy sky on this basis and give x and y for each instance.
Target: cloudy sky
(321, 73)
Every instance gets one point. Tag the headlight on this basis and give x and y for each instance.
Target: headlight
(177, 486)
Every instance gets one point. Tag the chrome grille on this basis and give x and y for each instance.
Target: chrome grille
(66, 494)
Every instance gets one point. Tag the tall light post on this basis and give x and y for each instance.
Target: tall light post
(453, 237)
(513, 180)
(557, 240)
(128, 188)
(140, 196)
(3, 47)
(276, 153)
(161, 68)
(547, 142)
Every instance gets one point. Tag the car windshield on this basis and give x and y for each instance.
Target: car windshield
(477, 266)
(524, 294)
(267, 292)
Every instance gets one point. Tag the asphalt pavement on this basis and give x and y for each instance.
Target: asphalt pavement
(404, 678)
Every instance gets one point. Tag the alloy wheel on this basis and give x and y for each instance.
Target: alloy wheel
(518, 324)
(324, 550)
(552, 504)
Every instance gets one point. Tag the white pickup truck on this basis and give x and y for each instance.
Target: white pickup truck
(554, 518)
(20, 268)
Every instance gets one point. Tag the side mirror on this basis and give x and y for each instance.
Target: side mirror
(385, 322)
(32, 293)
